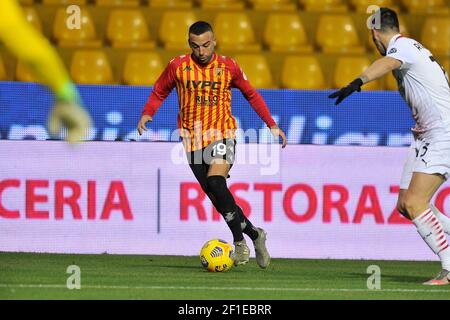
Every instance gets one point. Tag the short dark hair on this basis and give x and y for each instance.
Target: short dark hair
(200, 27)
(388, 20)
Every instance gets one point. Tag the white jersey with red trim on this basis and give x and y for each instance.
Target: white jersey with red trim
(424, 85)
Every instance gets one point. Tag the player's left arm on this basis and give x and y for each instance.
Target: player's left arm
(258, 104)
(375, 71)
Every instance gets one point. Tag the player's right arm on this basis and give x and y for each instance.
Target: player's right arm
(399, 56)
(161, 89)
(378, 69)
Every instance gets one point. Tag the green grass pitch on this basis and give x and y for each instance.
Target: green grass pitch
(44, 276)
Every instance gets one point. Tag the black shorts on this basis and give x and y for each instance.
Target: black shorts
(200, 160)
(220, 149)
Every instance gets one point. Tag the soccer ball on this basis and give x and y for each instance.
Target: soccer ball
(216, 256)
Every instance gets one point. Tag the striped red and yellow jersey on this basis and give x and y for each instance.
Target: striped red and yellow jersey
(204, 98)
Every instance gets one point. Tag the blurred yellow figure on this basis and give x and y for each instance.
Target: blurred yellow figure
(32, 48)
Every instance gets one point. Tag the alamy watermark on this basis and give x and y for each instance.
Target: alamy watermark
(374, 21)
(73, 20)
(262, 148)
(374, 280)
(74, 280)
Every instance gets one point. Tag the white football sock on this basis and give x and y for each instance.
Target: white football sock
(445, 221)
(430, 229)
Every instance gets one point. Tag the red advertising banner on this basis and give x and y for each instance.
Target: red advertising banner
(142, 198)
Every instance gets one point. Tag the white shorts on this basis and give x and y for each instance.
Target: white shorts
(426, 156)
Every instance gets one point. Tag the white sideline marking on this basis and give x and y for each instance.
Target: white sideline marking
(50, 286)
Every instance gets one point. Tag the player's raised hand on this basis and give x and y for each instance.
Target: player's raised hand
(343, 93)
(277, 132)
(141, 125)
(71, 116)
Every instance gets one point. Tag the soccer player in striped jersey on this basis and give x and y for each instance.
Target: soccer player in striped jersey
(204, 80)
(423, 83)
(31, 47)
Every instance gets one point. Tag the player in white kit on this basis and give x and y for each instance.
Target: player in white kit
(423, 83)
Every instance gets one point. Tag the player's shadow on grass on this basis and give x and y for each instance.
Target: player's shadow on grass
(170, 266)
(187, 267)
(392, 278)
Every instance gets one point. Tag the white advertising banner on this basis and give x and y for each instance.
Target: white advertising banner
(141, 198)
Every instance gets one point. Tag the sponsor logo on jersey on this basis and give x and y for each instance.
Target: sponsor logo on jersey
(207, 100)
(202, 84)
(393, 50)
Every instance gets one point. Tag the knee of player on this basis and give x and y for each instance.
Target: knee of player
(216, 183)
(205, 187)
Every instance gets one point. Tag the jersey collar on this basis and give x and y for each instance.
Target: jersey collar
(395, 38)
(214, 58)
